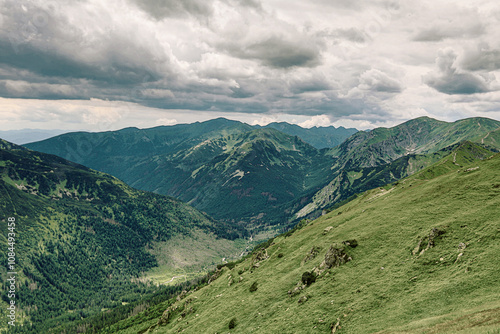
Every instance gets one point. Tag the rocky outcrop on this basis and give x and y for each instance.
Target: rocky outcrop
(335, 257)
(312, 254)
(428, 241)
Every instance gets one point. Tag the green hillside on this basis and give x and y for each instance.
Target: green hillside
(418, 136)
(419, 256)
(348, 183)
(255, 178)
(246, 177)
(86, 242)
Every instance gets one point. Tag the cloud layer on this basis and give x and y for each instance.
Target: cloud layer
(356, 63)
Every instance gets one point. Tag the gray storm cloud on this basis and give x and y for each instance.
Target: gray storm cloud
(364, 60)
(449, 79)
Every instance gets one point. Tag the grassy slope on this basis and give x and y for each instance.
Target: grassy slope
(385, 288)
(421, 135)
(357, 180)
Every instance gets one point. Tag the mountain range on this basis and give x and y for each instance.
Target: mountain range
(232, 171)
(86, 234)
(263, 179)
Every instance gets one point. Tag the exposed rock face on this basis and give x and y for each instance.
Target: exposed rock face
(353, 243)
(182, 295)
(216, 275)
(167, 314)
(335, 256)
(327, 229)
(296, 290)
(312, 254)
(434, 235)
(308, 278)
(261, 255)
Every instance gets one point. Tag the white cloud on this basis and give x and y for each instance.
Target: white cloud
(346, 61)
(320, 120)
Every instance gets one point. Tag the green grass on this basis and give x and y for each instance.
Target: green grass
(385, 288)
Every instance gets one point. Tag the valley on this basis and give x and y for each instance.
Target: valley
(225, 208)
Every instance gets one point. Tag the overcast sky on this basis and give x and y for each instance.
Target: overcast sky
(103, 65)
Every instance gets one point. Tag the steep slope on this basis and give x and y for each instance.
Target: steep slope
(225, 168)
(421, 135)
(417, 257)
(319, 137)
(84, 240)
(253, 177)
(356, 180)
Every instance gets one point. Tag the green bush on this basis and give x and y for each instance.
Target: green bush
(253, 287)
(308, 278)
(232, 323)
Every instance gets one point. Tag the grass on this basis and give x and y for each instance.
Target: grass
(385, 288)
(184, 258)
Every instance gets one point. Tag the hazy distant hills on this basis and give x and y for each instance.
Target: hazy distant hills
(84, 238)
(256, 177)
(21, 137)
(319, 137)
(420, 256)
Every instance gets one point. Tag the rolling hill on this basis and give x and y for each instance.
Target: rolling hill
(419, 256)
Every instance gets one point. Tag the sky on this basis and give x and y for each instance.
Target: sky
(104, 65)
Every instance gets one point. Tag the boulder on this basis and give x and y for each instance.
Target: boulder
(335, 256)
(353, 243)
(327, 229)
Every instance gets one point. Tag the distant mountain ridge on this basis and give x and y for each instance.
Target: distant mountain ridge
(214, 165)
(257, 177)
(418, 136)
(319, 137)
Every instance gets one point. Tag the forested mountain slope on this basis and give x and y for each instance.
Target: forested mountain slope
(84, 239)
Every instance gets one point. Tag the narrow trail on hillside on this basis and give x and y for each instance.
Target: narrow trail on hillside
(482, 140)
(172, 279)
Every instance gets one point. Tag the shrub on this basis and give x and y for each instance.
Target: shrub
(308, 278)
(280, 255)
(232, 323)
(253, 287)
